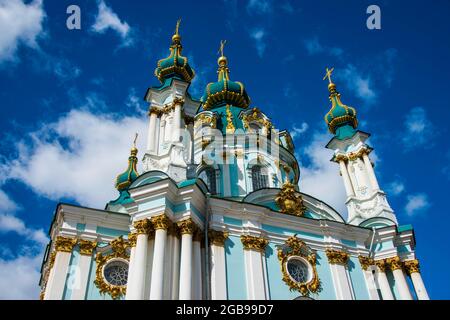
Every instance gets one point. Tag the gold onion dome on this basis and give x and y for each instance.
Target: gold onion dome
(224, 91)
(124, 180)
(340, 115)
(175, 65)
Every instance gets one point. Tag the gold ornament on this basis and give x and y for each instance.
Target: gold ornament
(51, 261)
(187, 226)
(412, 266)
(119, 247)
(296, 247)
(132, 239)
(381, 264)
(217, 238)
(143, 226)
(160, 222)
(337, 257)
(289, 201)
(63, 244)
(394, 263)
(365, 262)
(230, 125)
(205, 119)
(86, 247)
(254, 243)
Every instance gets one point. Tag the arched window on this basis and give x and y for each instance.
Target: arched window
(259, 178)
(209, 177)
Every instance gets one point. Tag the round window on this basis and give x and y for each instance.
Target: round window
(298, 270)
(116, 272)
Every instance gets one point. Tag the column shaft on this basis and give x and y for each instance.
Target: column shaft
(176, 123)
(383, 283)
(370, 172)
(347, 183)
(156, 291)
(84, 265)
(139, 266)
(186, 267)
(197, 285)
(419, 286)
(402, 285)
(55, 286)
(151, 138)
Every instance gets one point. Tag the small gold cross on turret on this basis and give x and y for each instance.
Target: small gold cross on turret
(222, 45)
(328, 74)
(135, 139)
(177, 26)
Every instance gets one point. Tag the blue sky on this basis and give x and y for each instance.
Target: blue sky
(72, 99)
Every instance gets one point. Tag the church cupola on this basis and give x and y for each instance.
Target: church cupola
(224, 91)
(341, 119)
(124, 180)
(175, 65)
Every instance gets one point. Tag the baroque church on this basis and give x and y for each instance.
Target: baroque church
(217, 212)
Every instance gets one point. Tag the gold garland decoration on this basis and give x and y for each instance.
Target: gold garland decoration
(294, 247)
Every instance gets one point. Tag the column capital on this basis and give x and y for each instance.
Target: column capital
(87, 247)
(154, 110)
(217, 238)
(143, 226)
(173, 229)
(198, 235)
(51, 260)
(254, 243)
(132, 239)
(337, 257)
(412, 266)
(63, 244)
(187, 226)
(394, 263)
(381, 264)
(161, 222)
(366, 262)
(178, 101)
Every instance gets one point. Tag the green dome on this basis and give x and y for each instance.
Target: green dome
(124, 180)
(339, 115)
(175, 65)
(224, 91)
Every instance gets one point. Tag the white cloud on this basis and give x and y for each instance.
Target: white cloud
(313, 47)
(135, 102)
(354, 79)
(258, 36)
(108, 19)
(259, 6)
(10, 223)
(6, 203)
(320, 178)
(395, 188)
(419, 129)
(296, 131)
(21, 24)
(416, 203)
(78, 156)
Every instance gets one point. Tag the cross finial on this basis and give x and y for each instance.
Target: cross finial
(135, 139)
(222, 45)
(328, 74)
(177, 26)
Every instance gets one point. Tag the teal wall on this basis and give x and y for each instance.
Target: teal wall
(235, 268)
(289, 232)
(92, 290)
(323, 270)
(111, 232)
(357, 279)
(232, 221)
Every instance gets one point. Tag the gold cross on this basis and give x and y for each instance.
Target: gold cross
(178, 26)
(135, 139)
(222, 44)
(328, 74)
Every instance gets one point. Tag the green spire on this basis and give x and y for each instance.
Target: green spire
(124, 180)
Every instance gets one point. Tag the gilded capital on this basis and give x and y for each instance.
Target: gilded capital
(178, 101)
(187, 226)
(143, 226)
(132, 238)
(217, 238)
(86, 247)
(337, 257)
(412, 266)
(51, 260)
(381, 264)
(254, 243)
(63, 244)
(173, 229)
(161, 222)
(365, 262)
(394, 263)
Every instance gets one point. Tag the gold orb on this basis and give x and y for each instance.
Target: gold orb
(222, 61)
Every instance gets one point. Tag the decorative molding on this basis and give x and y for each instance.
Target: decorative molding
(161, 222)
(198, 235)
(217, 238)
(296, 247)
(143, 226)
(173, 230)
(254, 243)
(63, 244)
(86, 247)
(132, 239)
(366, 262)
(289, 201)
(394, 263)
(187, 226)
(51, 260)
(412, 266)
(381, 264)
(337, 257)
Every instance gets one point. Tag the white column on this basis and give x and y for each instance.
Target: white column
(338, 265)
(218, 267)
(175, 266)
(197, 268)
(241, 174)
(370, 172)
(151, 138)
(400, 280)
(160, 224)
(382, 280)
(148, 272)
(131, 272)
(187, 228)
(347, 183)
(84, 264)
(254, 248)
(367, 266)
(176, 121)
(419, 286)
(136, 284)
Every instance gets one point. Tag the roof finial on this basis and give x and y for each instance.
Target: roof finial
(176, 37)
(222, 61)
(134, 150)
(331, 85)
(177, 26)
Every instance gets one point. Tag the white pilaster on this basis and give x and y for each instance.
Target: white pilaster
(55, 287)
(151, 138)
(156, 291)
(345, 176)
(131, 271)
(370, 172)
(84, 265)
(254, 270)
(197, 270)
(218, 266)
(149, 266)
(175, 267)
(139, 268)
(176, 122)
(341, 279)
